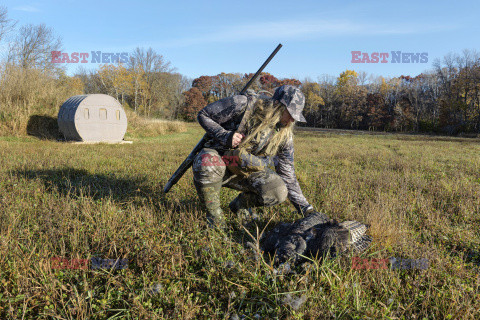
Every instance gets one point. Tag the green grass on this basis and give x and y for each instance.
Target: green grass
(421, 196)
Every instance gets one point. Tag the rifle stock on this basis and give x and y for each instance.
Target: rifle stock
(187, 163)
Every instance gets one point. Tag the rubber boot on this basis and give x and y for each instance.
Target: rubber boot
(210, 197)
(242, 207)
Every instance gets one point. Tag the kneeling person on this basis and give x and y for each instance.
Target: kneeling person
(261, 166)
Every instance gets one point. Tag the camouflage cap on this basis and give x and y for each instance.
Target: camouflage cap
(293, 99)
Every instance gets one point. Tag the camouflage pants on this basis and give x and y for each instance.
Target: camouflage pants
(262, 188)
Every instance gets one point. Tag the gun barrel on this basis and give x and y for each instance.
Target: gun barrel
(255, 76)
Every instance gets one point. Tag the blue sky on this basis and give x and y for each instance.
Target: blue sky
(209, 37)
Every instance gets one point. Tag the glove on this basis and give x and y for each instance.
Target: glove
(305, 210)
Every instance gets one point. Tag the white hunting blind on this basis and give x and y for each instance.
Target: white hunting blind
(92, 117)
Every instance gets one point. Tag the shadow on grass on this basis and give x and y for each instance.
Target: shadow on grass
(43, 127)
(78, 183)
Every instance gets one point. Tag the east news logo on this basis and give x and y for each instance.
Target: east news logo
(395, 57)
(97, 57)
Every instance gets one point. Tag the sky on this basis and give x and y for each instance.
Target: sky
(210, 37)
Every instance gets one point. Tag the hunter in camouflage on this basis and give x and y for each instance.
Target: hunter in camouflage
(262, 167)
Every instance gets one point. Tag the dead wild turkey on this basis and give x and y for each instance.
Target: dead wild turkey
(314, 236)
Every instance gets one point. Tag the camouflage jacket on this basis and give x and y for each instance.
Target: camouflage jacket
(220, 120)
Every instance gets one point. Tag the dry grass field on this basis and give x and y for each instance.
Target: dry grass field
(421, 196)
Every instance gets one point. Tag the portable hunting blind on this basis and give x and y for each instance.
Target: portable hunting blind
(92, 117)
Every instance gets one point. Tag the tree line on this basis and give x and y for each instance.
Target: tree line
(443, 100)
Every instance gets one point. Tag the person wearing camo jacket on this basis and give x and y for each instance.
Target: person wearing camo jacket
(258, 160)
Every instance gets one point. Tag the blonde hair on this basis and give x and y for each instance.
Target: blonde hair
(266, 115)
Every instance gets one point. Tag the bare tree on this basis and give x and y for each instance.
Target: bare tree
(150, 61)
(183, 84)
(151, 77)
(363, 78)
(33, 47)
(446, 73)
(328, 113)
(5, 24)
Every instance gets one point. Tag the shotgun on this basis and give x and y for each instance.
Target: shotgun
(187, 163)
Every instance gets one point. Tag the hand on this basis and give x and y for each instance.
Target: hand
(236, 139)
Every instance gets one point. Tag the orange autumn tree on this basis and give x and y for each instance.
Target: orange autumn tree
(194, 102)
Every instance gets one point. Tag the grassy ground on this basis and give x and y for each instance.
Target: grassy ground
(420, 195)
